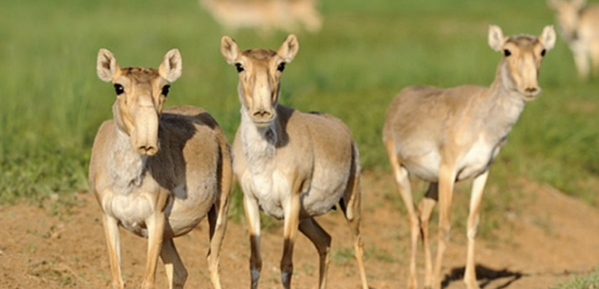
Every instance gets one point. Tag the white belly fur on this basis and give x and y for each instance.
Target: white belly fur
(272, 191)
(130, 210)
(133, 209)
(474, 162)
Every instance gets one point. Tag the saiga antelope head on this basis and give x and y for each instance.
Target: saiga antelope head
(140, 95)
(260, 73)
(522, 57)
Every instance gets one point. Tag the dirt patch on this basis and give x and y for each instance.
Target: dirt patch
(550, 237)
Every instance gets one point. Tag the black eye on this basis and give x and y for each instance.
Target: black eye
(119, 89)
(543, 52)
(281, 66)
(239, 67)
(506, 53)
(165, 89)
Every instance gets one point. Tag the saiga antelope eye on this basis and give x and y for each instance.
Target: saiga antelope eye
(281, 66)
(507, 52)
(165, 89)
(543, 52)
(239, 67)
(119, 89)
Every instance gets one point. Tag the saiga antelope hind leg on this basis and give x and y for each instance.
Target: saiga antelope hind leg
(217, 218)
(322, 241)
(175, 270)
(352, 212)
(446, 183)
(403, 184)
(426, 208)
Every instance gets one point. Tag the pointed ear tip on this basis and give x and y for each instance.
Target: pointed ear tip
(104, 51)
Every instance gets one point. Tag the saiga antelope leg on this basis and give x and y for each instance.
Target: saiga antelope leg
(426, 208)
(292, 208)
(322, 241)
(581, 59)
(475, 198)
(252, 215)
(352, 211)
(111, 231)
(155, 224)
(175, 270)
(217, 218)
(447, 176)
(403, 185)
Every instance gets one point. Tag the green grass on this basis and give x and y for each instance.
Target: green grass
(52, 102)
(580, 282)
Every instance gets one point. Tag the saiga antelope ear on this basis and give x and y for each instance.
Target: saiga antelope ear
(547, 38)
(229, 49)
(171, 66)
(289, 48)
(496, 38)
(106, 65)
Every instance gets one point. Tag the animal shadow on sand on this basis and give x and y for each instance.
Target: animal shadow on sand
(484, 274)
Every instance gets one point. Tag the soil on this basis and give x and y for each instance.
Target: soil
(541, 242)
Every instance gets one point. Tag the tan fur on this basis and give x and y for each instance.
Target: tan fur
(266, 15)
(579, 26)
(292, 165)
(158, 174)
(447, 135)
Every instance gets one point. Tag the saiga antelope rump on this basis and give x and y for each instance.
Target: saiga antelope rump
(290, 164)
(579, 26)
(446, 135)
(158, 173)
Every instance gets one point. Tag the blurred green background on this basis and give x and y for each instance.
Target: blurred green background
(51, 101)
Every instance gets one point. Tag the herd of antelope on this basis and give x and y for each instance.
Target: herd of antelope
(157, 172)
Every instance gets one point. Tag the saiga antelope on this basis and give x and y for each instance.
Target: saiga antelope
(579, 26)
(266, 15)
(292, 165)
(446, 135)
(158, 173)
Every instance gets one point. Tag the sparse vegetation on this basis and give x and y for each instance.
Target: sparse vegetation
(580, 282)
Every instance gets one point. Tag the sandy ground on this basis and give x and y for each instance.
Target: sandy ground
(546, 238)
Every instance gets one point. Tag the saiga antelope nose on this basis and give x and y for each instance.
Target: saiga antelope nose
(531, 89)
(147, 150)
(262, 114)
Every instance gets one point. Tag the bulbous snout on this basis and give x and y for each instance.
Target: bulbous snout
(529, 79)
(144, 137)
